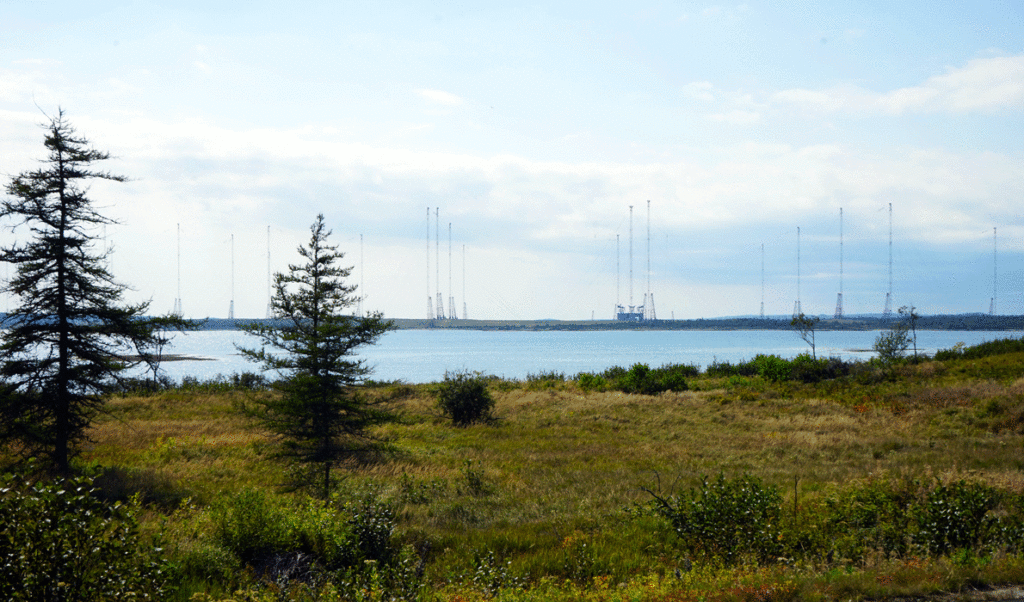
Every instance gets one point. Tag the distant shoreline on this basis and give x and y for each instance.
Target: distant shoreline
(937, 322)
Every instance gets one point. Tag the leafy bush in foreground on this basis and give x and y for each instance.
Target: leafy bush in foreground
(464, 398)
(726, 518)
(60, 542)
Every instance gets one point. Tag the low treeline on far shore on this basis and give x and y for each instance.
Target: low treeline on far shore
(924, 322)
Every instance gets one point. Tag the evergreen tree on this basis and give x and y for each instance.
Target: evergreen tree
(66, 343)
(320, 416)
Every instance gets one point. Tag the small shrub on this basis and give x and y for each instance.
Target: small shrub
(58, 541)
(958, 516)
(772, 368)
(463, 397)
(726, 518)
(590, 382)
(250, 525)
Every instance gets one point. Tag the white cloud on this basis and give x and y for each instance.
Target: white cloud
(736, 117)
(441, 97)
(985, 84)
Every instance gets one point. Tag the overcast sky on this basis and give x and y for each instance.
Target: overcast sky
(532, 128)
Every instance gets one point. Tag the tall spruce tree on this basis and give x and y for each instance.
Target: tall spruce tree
(65, 345)
(320, 416)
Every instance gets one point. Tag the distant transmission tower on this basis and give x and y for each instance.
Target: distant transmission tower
(437, 257)
(270, 304)
(451, 293)
(762, 281)
(465, 314)
(231, 306)
(992, 303)
(796, 305)
(887, 312)
(359, 299)
(649, 313)
(618, 281)
(177, 300)
(632, 308)
(839, 299)
(430, 303)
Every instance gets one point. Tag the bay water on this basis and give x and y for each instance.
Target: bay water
(419, 356)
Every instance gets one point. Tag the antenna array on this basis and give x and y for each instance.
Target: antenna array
(839, 299)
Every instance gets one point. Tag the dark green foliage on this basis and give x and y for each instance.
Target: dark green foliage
(805, 368)
(463, 397)
(641, 379)
(721, 368)
(64, 345)
(58, 542)
(320, 416)
(989, 348)
(957, 516)
(591, 382)
(772, 368)
(726, 518)
(806, 327)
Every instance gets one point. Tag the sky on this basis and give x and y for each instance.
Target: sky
(531, 129)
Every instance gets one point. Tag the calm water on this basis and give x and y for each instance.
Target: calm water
(417, 356)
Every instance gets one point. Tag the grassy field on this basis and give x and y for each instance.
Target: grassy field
(554, 499)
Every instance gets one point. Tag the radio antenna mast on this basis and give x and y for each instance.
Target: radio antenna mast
(887, 312)
(992, 304)
(270, 305)
(177, 300)
(231, 306)
(451, 291)
(762, 281)
(797, 310)
(839, 299)
(430, 303)
(632, 308)
(359, 307)
(437, 266)
(465, 314)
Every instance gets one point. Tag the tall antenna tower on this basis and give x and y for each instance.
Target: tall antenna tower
(359, 302)
(430, 303)
(451, 291)
(437, 257)
(632, 308)
(992, 303)
(618, 281)
(649, 301)
(762, 281)
(887, 312)
(270, 303)
(177, 300)
(465, 314)
(231, 307)
(839, 299)
(797, 310)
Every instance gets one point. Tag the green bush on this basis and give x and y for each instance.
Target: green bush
(720, 368)
(958, 516)
(727, 518)
(58, 541)
(772, 368)
(463, 397)
(249, 524)
(591, 382)
(641, 379)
